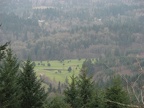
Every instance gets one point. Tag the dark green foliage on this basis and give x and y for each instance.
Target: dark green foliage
(85, 88)
(49, 64)
(98, 99)
(71, 93)
(9, 88)
(57, 102)
(2, 48)
(79, 92)
(50, 88)
(69, 69)
(59, 87)
(89, 66)
(117, 94)
(33, 94)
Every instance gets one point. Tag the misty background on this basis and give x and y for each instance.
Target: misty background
(66, 29)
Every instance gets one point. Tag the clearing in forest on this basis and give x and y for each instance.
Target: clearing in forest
(58, 70)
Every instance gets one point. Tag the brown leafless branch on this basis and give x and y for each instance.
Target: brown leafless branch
(127, 86)
(142, 97)
(135, 94)
(133, 85)
(121, 104)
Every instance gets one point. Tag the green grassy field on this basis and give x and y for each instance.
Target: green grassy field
(57, 70)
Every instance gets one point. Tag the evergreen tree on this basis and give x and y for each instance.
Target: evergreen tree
(50, 88)
(71, 93)
(89, 66)
(2, 50)
(9, 88)
(33, 94)
(98, 99)
(69, 69)
(80, 92)
(59, 87)
(57, 102)
(66, 80)
(117, 94)
(85, 88)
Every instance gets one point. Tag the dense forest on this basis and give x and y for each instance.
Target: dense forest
(20, 88)
(69, 29)
(108, 34)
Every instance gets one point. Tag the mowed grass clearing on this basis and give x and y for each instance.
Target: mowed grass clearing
(58, 70)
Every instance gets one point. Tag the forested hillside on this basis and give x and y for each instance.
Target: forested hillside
(66, 29)
(85, 53)
(20, 88)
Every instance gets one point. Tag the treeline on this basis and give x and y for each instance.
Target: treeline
(20, 88)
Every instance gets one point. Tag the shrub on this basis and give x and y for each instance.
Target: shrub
(49, 64)
(69, 69)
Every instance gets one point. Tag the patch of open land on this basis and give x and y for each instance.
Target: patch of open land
(58, 70)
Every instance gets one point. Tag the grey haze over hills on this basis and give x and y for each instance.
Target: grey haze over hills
(55, 29)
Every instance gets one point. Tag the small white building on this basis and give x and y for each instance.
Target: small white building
(40, 22)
